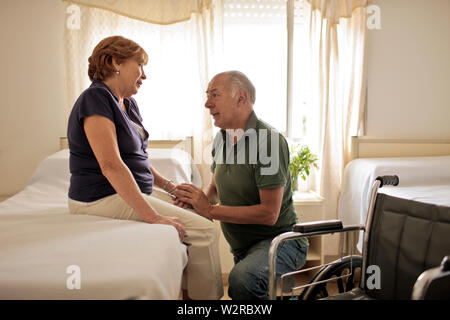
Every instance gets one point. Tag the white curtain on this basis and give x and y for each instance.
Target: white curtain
(181, 62)
(338, 37)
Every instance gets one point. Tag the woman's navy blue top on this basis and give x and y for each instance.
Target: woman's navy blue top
(87, 183)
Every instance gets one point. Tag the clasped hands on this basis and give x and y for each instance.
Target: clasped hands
(188, 196)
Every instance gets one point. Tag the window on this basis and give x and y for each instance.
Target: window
(171, 99)
(256, 43)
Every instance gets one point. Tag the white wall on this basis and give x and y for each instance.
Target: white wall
(32, 110)
(409, 70)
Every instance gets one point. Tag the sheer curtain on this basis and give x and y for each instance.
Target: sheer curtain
(181, 62)
(338, 37)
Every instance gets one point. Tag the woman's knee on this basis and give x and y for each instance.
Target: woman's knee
(188, 218)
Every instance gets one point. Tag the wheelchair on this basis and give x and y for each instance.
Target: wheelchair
(405, 255)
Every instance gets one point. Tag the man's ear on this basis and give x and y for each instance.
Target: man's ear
(242, 96)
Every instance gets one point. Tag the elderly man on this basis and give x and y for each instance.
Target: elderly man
(251, 182)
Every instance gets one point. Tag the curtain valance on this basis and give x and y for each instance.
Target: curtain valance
(153, 11)
(333, 10)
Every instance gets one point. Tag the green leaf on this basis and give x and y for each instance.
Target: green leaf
(301, 161)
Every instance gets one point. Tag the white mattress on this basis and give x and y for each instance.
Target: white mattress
(423, 179)
(118, 259)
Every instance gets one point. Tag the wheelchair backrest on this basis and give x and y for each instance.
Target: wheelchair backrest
(406, 238)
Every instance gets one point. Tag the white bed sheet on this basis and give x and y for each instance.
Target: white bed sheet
(438, 194)
(118, 259)
(423, 179)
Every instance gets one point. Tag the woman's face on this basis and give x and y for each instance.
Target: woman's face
(131, 75)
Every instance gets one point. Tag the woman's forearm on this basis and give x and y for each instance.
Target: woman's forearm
(162, 182)
(101, 134)
(123, 182)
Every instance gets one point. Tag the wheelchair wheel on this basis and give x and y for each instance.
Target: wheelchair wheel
(323, 290)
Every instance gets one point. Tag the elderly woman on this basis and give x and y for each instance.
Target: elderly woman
(110, 171)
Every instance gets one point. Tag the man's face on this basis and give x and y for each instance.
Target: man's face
(221, 104)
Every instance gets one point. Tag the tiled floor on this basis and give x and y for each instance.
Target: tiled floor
(301, 279)
(225, 287)
(332, 287)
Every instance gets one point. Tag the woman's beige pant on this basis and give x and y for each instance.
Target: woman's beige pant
(202, 276)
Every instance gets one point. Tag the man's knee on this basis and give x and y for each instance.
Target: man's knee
(246, 284)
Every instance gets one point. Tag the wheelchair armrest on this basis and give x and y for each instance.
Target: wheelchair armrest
(434, 283)
(324, 225)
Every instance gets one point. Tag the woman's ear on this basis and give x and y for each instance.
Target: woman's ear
(115, 65)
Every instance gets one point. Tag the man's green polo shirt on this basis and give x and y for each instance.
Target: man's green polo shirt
(241, 169)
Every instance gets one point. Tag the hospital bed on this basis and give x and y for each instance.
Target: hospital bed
(47, 253)
(411, 224)
(423, 179)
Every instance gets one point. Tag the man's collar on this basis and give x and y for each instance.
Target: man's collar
(251, 124)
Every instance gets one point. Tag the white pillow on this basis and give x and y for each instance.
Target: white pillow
(53, 170)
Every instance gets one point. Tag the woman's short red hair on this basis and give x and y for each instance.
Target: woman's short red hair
(101, 61)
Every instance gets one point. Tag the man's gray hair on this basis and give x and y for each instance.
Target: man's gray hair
(238, 80)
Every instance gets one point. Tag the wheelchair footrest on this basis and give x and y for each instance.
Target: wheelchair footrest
(324, 225)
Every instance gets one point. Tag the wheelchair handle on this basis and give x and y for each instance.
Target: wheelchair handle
(445, 264)
(388, 180)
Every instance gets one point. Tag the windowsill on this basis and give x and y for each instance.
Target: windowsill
(307, 198)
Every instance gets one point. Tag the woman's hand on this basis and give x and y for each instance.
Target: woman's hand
(181, 204)
(171, 221)
(170, 187)
(195, 197)
(175, 194)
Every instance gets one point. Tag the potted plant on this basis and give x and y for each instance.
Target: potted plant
(301, 162)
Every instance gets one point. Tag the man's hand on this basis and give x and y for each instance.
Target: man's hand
(190, 194)
(175, 194)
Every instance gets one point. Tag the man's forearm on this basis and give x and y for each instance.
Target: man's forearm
(211, 194)
(256, 214)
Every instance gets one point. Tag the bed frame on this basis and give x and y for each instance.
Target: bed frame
(373, 147)
(186, 144)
